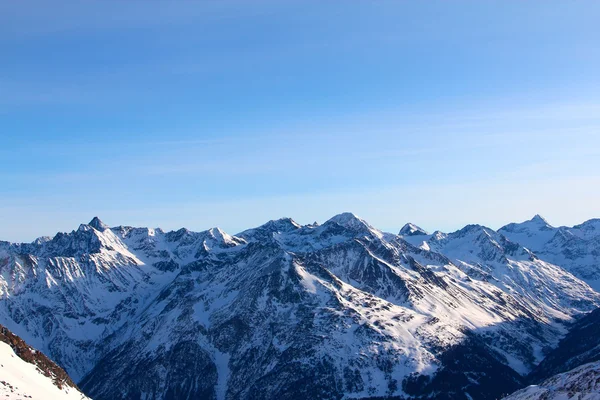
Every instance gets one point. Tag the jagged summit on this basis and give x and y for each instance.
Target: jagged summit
(209, 315)
(574, 248)
(217, 232)
(348, 220)
(284, 224)
(410, 229)
(591, 225)
(439, 235)
(42, 239)
(268, 229)
(535, 224)
(96, 223)
(473, 228)
(538, 219)
(352, 223)
(223, 237)
(287, 221)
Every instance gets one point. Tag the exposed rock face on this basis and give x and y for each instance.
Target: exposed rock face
(286, 311)
(27, 373)
(58, 375)
(412, 230)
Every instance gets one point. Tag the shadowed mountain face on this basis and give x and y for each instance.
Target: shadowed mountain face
(285, 311)
(582, 382)
(580, 346)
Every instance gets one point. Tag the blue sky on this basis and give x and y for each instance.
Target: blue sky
(231, 113)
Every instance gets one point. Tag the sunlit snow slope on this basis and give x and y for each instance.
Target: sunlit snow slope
(25, 373)
(286, 311)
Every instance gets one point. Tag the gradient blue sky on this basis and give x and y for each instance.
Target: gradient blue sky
(231, 113)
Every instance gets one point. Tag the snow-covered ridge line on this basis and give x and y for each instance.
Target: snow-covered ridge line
(589, 228)
(355, 310)
(582, 383)
(28, 373)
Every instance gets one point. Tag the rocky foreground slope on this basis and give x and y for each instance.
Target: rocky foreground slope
(284, 311)
(26, 373)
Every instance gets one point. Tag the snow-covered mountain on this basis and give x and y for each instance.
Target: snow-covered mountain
(286, 311)
(580, 346)
(577, 248)
(412, 230)
(572, 369)
(581, 383)
(26, 373)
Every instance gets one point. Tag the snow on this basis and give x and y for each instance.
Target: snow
(411, 229)
(222, 363)
(581, 383)
(573, 248)
(368, 294)
(21, 380)
(307, 280)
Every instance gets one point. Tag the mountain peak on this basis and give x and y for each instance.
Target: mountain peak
(470, 228)
(219, 234)
(273, 226)
(345, 219)
(285, 224)
(287, 221)
(352, 222)
(539, 219)
(98, 224)
(410, 229)
(223, 237)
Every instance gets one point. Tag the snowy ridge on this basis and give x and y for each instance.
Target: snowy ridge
(577, 248)
(355, 311)
(412, 230)
(20, 380)
(582, 383)
(26, 373)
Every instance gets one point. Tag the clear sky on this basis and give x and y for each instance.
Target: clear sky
(231, 113)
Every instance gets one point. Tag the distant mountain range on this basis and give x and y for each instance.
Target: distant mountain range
(331, 311)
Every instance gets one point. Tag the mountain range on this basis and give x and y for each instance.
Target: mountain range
(289, 311)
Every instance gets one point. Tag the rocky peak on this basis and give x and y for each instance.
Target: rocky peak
(97, 224)
(285, 224)
(41, 240)
(589, 229)
(472, 230)
(223, 238)
(410, 229)
(266, 231)
(349, 220)
(537, 218)
(438, 235)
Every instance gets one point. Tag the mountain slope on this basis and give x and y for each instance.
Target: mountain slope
(580, 346)
(67, 294)
(538, 286)
(288, 311)
(577, 248)
(581, 383)
(26, 373)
